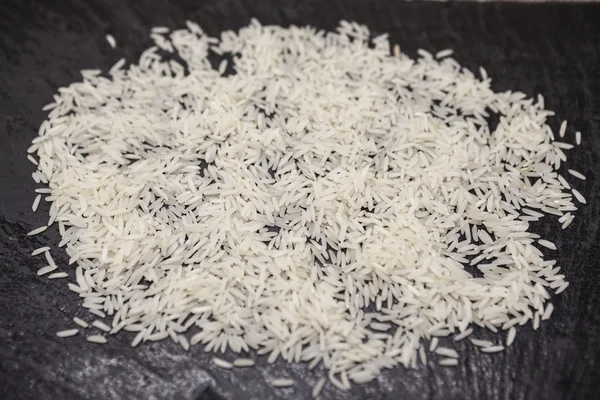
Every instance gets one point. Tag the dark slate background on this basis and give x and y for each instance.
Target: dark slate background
(553, 49)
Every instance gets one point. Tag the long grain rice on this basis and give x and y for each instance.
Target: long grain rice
(80, 322)
(318, 388)
(243, 362)
(101, 325)
(40, 250)
(491, 349)
(576, 174)
(37, 230)
(222, 363)
(67, 333)
(578, 196)
(282, 383)
(36, 203)
(97, 339)
(111, 41)
(46, 269)
(58, 275)
(308, 206)
(510, 336)
(448, 362)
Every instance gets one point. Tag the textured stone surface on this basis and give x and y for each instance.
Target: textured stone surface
(551, 49)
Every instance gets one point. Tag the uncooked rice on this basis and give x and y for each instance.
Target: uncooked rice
(80, 322)
(562, 288)
(444, 53)
(448, 362)
(160, 29)
(483, 73)
(49, 258)
(578, 196)
(491, 349)
(547, 244)
(58, 275)
(576, 174)
(67, 333)
(318, 388)
(222, 363)
(568, 222)
(482, 343)
(46, 269)
(463, 335)
(548, 311)
(510, 336)
(446, 352)
(563, 129)
(111, 41)
(324, 203)
(96, 312)
(282, 383)
(101, 325)
(97, 339)
(243, 362)
(36, 203)
(33, 160)
(40, 250)
(37, 230)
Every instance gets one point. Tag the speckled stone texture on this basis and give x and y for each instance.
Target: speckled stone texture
(553, 49)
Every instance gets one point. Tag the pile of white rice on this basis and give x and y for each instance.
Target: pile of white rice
(355, 205)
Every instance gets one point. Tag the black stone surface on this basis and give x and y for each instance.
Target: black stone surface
(552, 49)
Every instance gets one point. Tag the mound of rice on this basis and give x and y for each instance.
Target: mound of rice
(327, 202)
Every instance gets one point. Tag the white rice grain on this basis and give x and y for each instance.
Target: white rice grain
(40, 250)
(243, 362)
(446, 352)
(97, 313)
(491, 349)
(58, 275)
(567, 222)
(67, 333)
(318, 388)
(49, 258)
(576, 174)
(282, 383)
(97, 339)
(561, 288)
(36, 203)
(563, 129)
(111, 41)
(222, 363)
(483, 73)
(548, 312)
(101, 325)
(33, 160)
(448, 362)
(444, 53)
(433, 344)
(482, 343)
(510, 336)
(80, 322)
(578, 196)
(46, 269)
(160, 29)
(463, 335)
(37, 230)
(547, 244)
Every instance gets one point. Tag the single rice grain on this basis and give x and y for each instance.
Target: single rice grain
(67, 333)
